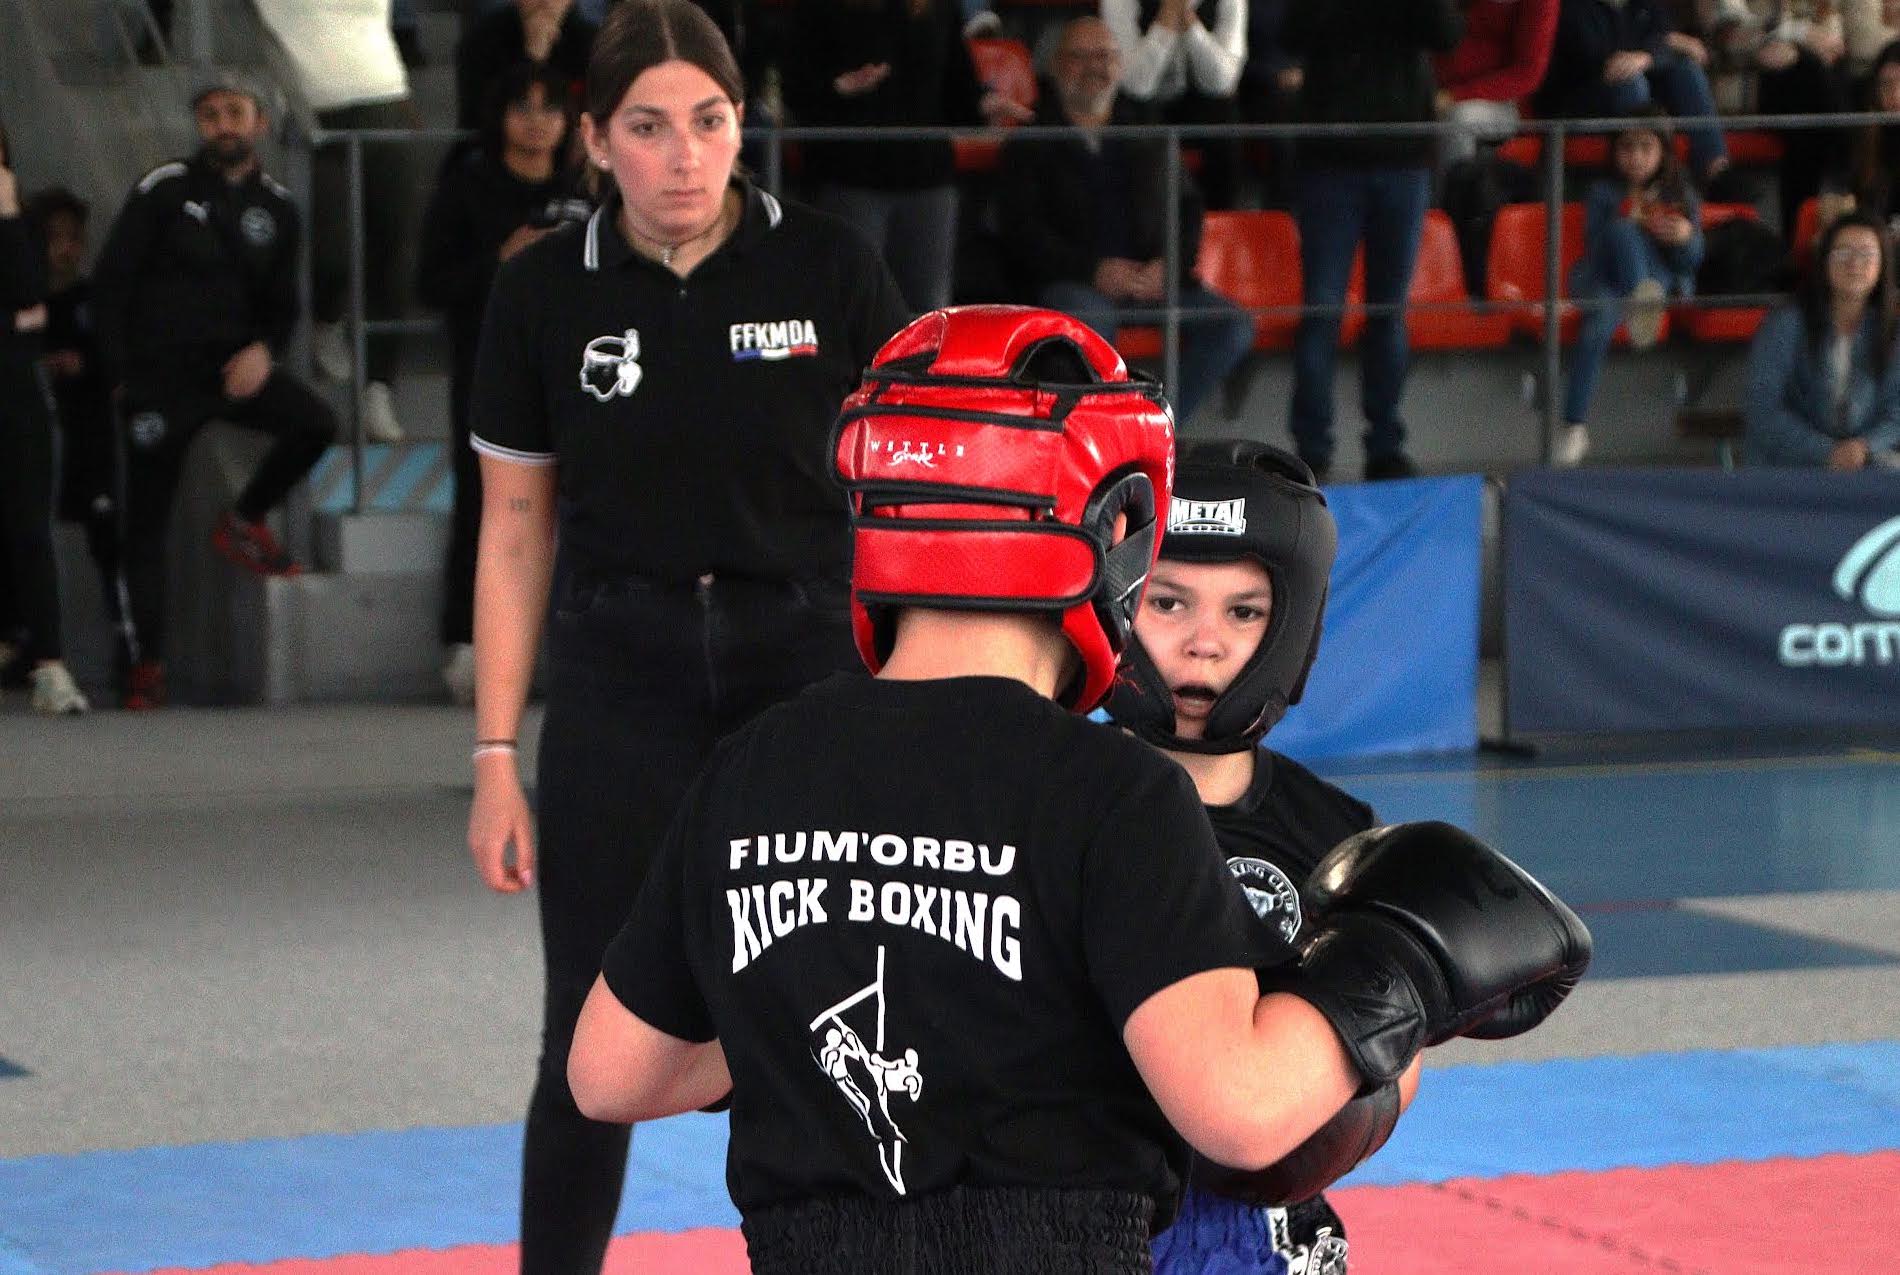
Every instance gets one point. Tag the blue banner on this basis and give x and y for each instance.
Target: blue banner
(1398, 659)
(1668, 600)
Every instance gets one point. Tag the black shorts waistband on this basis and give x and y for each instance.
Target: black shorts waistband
(959, 1231)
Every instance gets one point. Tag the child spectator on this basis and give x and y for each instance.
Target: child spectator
(89, 470)
(1642, 243)
(26, 453)
(492, 200)
(1823, 377)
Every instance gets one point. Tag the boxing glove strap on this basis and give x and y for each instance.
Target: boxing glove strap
(1380, 989)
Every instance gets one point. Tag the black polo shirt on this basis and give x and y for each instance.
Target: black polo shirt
(917, 916)
(689, 417)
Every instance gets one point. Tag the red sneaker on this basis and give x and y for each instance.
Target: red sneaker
(144, 687)
(252, 546)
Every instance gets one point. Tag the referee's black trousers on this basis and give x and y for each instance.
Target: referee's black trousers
(644, 677)
(162, 415)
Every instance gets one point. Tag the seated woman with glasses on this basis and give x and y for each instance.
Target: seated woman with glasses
(1823, 375)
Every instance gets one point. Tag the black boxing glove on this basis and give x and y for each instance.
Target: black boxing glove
(1335, 1149)
(1424, 933)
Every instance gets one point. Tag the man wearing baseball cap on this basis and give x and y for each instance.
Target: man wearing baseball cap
(196, 292)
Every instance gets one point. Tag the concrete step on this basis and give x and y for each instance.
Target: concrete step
(361, 624)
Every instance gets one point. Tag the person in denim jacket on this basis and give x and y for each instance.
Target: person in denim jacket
(1823, 377)
(1642, 243)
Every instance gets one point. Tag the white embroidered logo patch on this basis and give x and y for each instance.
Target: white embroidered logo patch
(610, 366)
(1208, 517)
(779, 339)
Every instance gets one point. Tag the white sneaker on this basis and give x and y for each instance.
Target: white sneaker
(1643, 313)
(379, 414)
(330, 351)
(55, 693)
(1570, 445)
(458, 673)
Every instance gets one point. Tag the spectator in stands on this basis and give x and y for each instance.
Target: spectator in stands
(1868, 26)
(1795, 52)
(1875, 152)
(350, 71)
(1823, 373)
(26, 452)
(509, 190)
(405, 29)
(1365, 61)
(1084, 219)
(1184, 59)
(1269, 92)
(1642, 243)
(196, 296)
(550, 31)
(89, 461)
(870, 64)
(1500, 62)
(1614, 57)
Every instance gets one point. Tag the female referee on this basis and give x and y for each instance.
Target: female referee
(654, 390)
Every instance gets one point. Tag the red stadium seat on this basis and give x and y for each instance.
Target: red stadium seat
(1251, 258)
(1746, 149)
(1514, 271)
(1005, 66)
(1807, 229)
(1727, 325)
(1439, 281)
(1755, 150)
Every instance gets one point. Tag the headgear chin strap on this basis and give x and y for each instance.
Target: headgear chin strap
(988, 454)
(1234, 499)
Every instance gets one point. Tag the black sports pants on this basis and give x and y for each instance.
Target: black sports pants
(26, 500)
(161, 419)
(643, 678)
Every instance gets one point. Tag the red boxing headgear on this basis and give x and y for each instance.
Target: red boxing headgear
(987, 454)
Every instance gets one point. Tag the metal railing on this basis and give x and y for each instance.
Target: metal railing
(1170, 313)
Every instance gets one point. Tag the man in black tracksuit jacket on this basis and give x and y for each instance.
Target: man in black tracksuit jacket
(196, 292)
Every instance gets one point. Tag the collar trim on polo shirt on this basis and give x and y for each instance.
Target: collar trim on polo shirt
(603, 247)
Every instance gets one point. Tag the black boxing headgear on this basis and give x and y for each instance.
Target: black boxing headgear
(1235, 499)
(987, 454)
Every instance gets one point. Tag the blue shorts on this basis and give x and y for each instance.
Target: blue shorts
(1213, 1235)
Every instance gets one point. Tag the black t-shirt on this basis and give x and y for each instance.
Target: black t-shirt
(968, 892)
(1273, 837)
(690, 417)
(1277, 833)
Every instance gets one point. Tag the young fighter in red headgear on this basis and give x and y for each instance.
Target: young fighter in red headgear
(962, 957)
